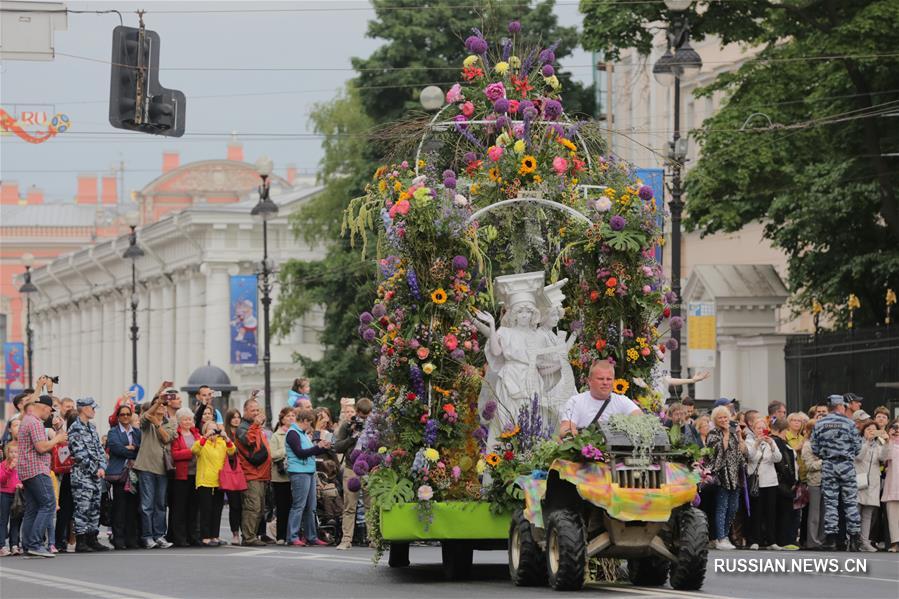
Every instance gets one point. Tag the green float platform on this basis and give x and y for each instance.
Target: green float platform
(451, 520)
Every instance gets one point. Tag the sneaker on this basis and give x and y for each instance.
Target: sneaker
(344, 546)
(280, 542)
(161, 543)
(254, 543)
(790, 547)
(149, 544)
(4, 551)
(16, 551)
(297, 543)
(317, 543)
(774, 547)
(754, 546)
(53, 549)
(724, 545)
(235, 539)
(39, 553)
(867, 547)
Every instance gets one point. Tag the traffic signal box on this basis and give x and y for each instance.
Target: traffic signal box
(137, 101)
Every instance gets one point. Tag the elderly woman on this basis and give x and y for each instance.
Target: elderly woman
(122, 443)
(727, 457)
(184, 497)
(890, 495)
(814, 535)
(873, 453)
(763, 453)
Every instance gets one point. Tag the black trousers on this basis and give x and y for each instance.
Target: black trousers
(211, 500)
(235, 510)
(126, 527)
(763, 517)
(787, 520)
(66, 511)
(183, 511)
(283, 500)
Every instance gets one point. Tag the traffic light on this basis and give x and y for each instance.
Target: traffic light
(137, 101)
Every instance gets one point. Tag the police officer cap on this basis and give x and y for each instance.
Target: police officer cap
(86, 402)
(836, 400)
(850, 397)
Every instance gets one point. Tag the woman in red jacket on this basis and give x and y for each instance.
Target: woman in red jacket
(184, 494)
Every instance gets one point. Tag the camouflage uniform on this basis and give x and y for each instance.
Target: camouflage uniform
(87, 487)
(836, 441)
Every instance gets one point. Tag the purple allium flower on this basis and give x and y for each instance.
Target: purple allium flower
(457, 354)
(353, 485)
(547, 56)
(366, 318)
(476, 44)
(489, 410)
(470, 157)
(670, 297)
(430, 436)
(530, 113)
(449, 173)
(548, 70)
(672, 344)
(373, 460)
(369, 334)
(502, 122)
(645, 193)
(676, 323)
(460, 263)
(514, 27)
(354, 455)
(460, 120)
(552, 109)
(480, 433)
(378, 311)
(360, 466)
(617, 222)
(577, 325)
(449, 182)
(501, 106)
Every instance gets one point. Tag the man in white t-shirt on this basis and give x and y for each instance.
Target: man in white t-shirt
(582, 408)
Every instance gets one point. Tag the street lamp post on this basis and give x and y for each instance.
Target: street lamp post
(264, 210)
(679, 62)
(133, 253)
(27, 289)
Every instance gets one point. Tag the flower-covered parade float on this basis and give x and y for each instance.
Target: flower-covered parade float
(514, 252)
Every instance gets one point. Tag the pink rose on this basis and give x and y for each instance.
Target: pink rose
(645, 352)
(495, 153)
(495, 91)
(560, 165)
(450, 342)
(402, 207)
(454, 94)
(468, 109)
(423, 353)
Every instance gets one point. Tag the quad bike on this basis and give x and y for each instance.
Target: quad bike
(638, 509)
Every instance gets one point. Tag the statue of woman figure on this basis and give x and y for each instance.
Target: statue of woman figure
(553, 364)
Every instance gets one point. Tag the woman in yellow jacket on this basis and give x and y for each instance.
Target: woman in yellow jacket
(211, 450)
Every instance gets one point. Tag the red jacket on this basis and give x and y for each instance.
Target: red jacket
(182, 454)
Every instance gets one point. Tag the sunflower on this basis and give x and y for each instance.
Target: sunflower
(510, 433)
(494, 174)
(492, 459)
(528, 165)
(439, 296)
(568, 144)
(620, 386)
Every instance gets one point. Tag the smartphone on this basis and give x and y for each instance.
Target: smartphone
(316, 436)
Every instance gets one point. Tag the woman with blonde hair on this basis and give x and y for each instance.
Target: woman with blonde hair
(814, 535)
(728, 451)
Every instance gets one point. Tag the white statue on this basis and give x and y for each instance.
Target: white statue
(554, 366)
(513, 349)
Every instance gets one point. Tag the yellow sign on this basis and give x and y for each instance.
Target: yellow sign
(701, 334)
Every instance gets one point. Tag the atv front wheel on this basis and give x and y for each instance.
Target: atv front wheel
(691, 546)
(647, 571)
(566, 550)
(527, 562)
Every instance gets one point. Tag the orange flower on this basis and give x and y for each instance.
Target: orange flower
(611, 282)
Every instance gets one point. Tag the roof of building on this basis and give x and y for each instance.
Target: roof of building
(56, 215)
(740, 280)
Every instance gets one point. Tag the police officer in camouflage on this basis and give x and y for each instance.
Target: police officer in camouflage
(836, 441)
(87, 477)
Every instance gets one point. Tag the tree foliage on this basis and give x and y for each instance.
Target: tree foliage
(800, 139)
(422, 45)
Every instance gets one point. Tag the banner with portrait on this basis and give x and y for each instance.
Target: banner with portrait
(243, 319)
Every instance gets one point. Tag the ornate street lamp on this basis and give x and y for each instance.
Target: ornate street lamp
(27, 289)
(132, 219)
(680, 62)
(265, 209)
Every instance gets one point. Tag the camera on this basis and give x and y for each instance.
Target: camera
(52, 379)
(356, 424)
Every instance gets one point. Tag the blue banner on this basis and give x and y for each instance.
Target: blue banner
(243, 319)
(655, 178)
(14, 372)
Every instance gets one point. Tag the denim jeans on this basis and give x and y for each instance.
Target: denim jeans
(40, 511)
(7, 522)
(152, 489)
(302, 489)
(725, 507)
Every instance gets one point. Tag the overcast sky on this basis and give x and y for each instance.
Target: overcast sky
(255, 103)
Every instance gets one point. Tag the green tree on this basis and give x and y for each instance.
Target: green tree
(423, 44)
(812, 165)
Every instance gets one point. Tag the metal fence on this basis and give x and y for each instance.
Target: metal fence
(843, 361)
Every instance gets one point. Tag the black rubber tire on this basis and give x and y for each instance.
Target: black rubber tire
(691, 548)
(530, 571)
(457, 557)
(648, 571)
(399, 555)
(566, 550)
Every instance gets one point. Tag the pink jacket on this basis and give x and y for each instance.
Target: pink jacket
(9, 478)
(891, 484)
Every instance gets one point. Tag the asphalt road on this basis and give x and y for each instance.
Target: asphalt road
(276, 572)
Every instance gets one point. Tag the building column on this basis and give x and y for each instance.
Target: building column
(115, 314)
(217, 334)
(729, 368)
(106, 312)
(182, 301)
(167, 329)
(154, 333)
(143, 342)
(76, 337)
(197, 324)
(96, 384)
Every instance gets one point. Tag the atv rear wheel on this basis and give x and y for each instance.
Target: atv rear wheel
(691, 548)
(648, 571)
(527, 562)
(566, 550)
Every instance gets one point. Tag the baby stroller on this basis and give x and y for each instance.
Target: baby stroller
(330, 504)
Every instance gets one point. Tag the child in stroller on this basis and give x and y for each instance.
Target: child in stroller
(330, 504)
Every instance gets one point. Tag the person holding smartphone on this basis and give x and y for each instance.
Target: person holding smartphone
(302, 447)
(151, 470)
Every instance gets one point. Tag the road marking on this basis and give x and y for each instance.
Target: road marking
(861, 577)
(90, 588)
(657, 591)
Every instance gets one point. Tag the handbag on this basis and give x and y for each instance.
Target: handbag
(124, 475)
(167, 459)
(861, 478)
(801, 497)
(753, 479)
(17, 508)
(61, 461)
(231, 478)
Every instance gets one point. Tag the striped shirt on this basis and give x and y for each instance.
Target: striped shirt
(31, 463)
